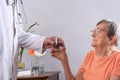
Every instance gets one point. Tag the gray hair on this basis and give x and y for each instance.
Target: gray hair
(112, 29)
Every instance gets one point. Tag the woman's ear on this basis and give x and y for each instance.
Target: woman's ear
(113, 39)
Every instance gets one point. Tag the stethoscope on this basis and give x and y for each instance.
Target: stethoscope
(19, 9)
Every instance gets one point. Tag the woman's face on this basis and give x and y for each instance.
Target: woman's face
(100, 38)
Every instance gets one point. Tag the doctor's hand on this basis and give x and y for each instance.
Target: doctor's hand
(50, 41)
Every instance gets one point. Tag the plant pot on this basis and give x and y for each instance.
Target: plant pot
(21, 66)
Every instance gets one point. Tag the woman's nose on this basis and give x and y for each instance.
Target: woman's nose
(93, 34)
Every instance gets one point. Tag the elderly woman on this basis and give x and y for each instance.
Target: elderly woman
(102, 63)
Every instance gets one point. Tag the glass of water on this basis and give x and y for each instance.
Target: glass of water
(37, 65)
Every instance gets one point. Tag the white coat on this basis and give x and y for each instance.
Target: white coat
(11, 38)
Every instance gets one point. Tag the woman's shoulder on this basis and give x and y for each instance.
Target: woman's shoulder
(91, 53)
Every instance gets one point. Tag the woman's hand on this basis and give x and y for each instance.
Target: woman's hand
(59, 52)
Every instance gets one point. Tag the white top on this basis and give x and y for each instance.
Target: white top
(11, 38)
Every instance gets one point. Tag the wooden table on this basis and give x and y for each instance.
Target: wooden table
(51, 75)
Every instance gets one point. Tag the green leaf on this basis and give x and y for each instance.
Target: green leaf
(36, 23)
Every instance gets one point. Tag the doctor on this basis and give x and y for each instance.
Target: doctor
(12, 37)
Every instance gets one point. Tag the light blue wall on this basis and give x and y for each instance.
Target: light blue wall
(72, 20)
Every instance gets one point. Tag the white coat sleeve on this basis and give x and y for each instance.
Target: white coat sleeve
(30, 41)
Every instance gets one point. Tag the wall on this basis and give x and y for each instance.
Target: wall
(72, 20)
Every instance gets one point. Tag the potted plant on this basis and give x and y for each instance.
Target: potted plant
(21, 64)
